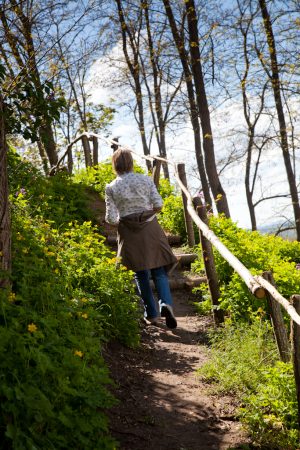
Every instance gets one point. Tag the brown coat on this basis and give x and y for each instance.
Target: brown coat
(143, 245)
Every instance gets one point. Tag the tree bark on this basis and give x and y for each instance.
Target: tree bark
(161, 139)
(280, 113)
(5, 223)
(189, 226)
(134, 68)
(179, 41)
(30, 71)
(207, 134)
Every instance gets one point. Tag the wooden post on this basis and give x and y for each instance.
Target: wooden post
(156, 171)
(209, 264)
(188, 220)
(87, 151)
(70, 159)
(295, 338)
(95, 150)
(278, 322)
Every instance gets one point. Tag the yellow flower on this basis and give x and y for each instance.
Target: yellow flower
(78, 353)
(32, 328)
(12, 297)
(84, 316)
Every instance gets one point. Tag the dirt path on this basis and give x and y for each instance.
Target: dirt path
(163, 404)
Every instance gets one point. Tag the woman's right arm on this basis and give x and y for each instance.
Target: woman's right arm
(155, 198)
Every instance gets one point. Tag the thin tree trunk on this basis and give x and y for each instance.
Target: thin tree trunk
(280, 113)
(157, 94)
(193, 106)
(134, 69)
(5, 224)
(249, 192)
(208, 143)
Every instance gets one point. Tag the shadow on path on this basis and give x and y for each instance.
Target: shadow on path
(162, 402)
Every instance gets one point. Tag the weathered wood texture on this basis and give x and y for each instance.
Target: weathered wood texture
(87, 151)
(188, 220)
(5, 223)
(95, 150)
(280, 330)
(156, 172)
(295, 338)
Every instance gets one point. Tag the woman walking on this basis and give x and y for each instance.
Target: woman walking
(132, 202)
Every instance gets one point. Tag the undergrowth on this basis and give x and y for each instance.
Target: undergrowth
(67, 300)
(244, 360)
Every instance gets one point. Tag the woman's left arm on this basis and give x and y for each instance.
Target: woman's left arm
(112, 214)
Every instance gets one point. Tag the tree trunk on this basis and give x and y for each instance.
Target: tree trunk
(193, 107)
(30, 70)
(134, 69)
(5, 224)
(249, 192)
(48, 142)
(208, 143)
(280, 113)
(161, 139)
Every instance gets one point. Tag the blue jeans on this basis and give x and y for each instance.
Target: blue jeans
(161, 282)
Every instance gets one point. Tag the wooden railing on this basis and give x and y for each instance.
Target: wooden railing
(260, 286)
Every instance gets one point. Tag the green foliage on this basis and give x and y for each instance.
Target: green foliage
(258, 253)
(67, 298)
(237, 353)
(98, 117)
(98, 176)
(28, 104)
(271, 413)
(165, 188)
(171, 217)
(57, 198)
(243, 356)
(243, 361)
(204, 306)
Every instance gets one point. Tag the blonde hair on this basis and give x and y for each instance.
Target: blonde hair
(122, 161)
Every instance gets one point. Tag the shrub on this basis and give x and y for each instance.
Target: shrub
(98, 176)
(243, 361)
(271, 413)
(67, 298)
(258, 253)
(57, 198)
(171, 217)
(237, 353)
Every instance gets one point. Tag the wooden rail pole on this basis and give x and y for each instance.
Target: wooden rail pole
(95, 150)
(188, 220)
(156, 172)
(295, 338)
(87, 151)
(70, 160)
(209, 264)
(278, 322)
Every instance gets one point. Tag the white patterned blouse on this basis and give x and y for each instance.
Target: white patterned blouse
(130, 193)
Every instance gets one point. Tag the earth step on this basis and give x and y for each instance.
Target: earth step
(185, 259)
(180, 282)
(173, 240)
